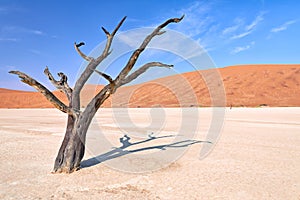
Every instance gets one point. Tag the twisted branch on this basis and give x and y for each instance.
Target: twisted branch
(85, 57)
(62, 84)
(42, 89)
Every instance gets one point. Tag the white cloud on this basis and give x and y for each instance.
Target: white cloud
(4, 10)
(283, 26)
(257, 20)
(249, 28)
(36, 52)
(9, 68)
(37, 32)
(242, 48)
(8, 39)
(10, 9)
(230, 29)
(197, 19)
(241, 35)
(16, 29)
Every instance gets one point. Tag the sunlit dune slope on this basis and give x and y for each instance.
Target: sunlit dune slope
(244, 85)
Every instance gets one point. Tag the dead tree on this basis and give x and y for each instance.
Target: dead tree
(72, 148)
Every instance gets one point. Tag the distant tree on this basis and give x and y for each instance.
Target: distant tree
(72, 148)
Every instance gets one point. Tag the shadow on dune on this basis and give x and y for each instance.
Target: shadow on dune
(121, 151)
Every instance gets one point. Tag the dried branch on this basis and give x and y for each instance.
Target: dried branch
(110, 80)
(118, 26)
(93, 64)
(132, 60)
(107, 77)
(42, 89)
(121, 79)
(105, 31)
(97, 101)
(62, 84)
(142, 70)
(85, 57)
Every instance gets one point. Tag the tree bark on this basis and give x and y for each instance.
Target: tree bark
(72, 149)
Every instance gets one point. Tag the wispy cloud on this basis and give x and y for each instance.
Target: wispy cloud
(36, 52)
(197, 19)
(242, 48)
(204, 25)
(36, 32)
(10, 9)
(230, 29)
(257, 20)
(9, 68)
(241, 35)
(4, 10)
(16, 29)
(283, 27)
(8, 39)
(237, 24)
(247, 30)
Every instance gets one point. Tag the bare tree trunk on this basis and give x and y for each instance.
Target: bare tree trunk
(71, 150)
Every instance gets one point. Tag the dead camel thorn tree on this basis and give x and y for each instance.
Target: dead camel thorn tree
(72, 148)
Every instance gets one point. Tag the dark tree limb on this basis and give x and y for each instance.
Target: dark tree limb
(42, 89)
(93, 64)
(85, 57)
(107, 77)
(132, 60)
(110, 80)
(142, 70)
(62, 84)
(96, 102)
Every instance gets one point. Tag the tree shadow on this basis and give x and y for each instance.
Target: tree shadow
(121, 151)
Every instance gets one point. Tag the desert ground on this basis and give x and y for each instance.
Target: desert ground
(256, 155)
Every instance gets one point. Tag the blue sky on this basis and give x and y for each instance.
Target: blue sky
(35, 34)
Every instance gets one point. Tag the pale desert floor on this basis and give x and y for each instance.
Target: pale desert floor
(257, 155)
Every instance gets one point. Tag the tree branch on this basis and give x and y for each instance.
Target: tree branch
(85, 57)
(42, 89)
(61, 85)
(121, 79)
(132, 60)
(93, 64)
(142, 70)
(110, 80)
(118, 26)
(107, 77)
(96, 102)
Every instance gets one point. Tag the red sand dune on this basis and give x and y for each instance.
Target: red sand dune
(246, 85)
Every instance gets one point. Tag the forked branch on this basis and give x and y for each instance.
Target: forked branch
(110, 80)
(62, 84)
(95, 62)
(85, 57)
(142, 70)
(123, 77)
(132, 60)
(107, 77)
(42, 89)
